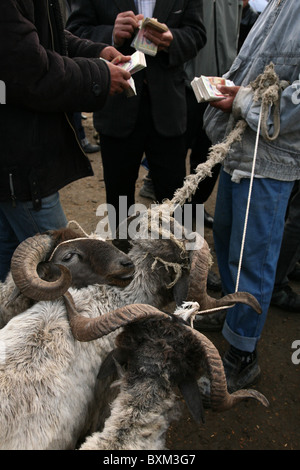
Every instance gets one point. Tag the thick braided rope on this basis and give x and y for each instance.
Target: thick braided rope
(267, 88)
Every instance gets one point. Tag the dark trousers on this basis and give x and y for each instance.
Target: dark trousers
(78, 126)
(199, 143)
(122, 157)
(290, 247)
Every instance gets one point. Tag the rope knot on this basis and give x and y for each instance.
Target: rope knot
(267, 88)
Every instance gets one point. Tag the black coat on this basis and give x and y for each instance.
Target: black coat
(94, 19)
(39, 151)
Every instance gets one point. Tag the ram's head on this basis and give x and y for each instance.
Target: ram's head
(159, 345)
(168, 245)
(45, 266)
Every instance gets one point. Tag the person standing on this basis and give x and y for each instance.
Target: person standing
(154, 121)
(249, 16)
(274, 39)
(47, 72)
(222, 22)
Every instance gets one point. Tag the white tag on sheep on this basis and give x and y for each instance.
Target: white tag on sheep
(187, 311)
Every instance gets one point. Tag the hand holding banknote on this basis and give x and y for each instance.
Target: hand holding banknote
(126, 24)
(226, 103)
(161, 39)
(118, 76)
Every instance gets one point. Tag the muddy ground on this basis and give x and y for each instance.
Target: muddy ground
(249, 426)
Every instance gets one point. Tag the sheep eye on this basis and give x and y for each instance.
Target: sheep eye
(68, 257)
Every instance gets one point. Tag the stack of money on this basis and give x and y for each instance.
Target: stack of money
(136, 63)
(141, 43)
(205, 88)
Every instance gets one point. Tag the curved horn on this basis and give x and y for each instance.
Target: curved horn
(220, 398)
(89, 329)
(24, 264)
(197, 289)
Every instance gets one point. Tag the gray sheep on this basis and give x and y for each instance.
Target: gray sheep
(160, 356)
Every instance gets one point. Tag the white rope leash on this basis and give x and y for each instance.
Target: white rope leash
(224, 307)
(248, 201)
(79, 227)
(267, 88)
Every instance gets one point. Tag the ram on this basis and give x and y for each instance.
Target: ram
(42, 271)
(48, 379)
(160, 356)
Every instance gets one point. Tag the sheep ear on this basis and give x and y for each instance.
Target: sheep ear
(116, 357)
(13, 296)
(180, 290)
(192, 396)
(48, 271)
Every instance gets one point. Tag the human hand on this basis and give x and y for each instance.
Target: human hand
(111, 54)
(118, 79)
(162, 40)
(125, 25)
(226, 103)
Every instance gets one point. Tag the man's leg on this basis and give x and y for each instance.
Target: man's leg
(121, 162)
(243, 326)
(121, 158)
(166, 158)
(20, 222)
(283, 296)
(8, 244)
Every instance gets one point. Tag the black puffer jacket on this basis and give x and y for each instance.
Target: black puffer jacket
(46, 77)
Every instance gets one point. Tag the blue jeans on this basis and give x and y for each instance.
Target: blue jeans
(20, 222)
(269, 200)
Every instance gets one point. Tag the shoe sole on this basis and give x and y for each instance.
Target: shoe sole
(254, 381)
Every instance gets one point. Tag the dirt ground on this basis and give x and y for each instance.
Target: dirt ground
(249, 426)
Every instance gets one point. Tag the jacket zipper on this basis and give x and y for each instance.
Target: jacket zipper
(66, 115)
(75, 133)
(12, 190)
(50, 25)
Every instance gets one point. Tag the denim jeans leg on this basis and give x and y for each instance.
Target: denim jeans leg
(269, 199)
(8, 244)
(20, 222)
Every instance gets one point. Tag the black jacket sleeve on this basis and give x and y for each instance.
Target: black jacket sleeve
(86, 20)
(40, 78)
